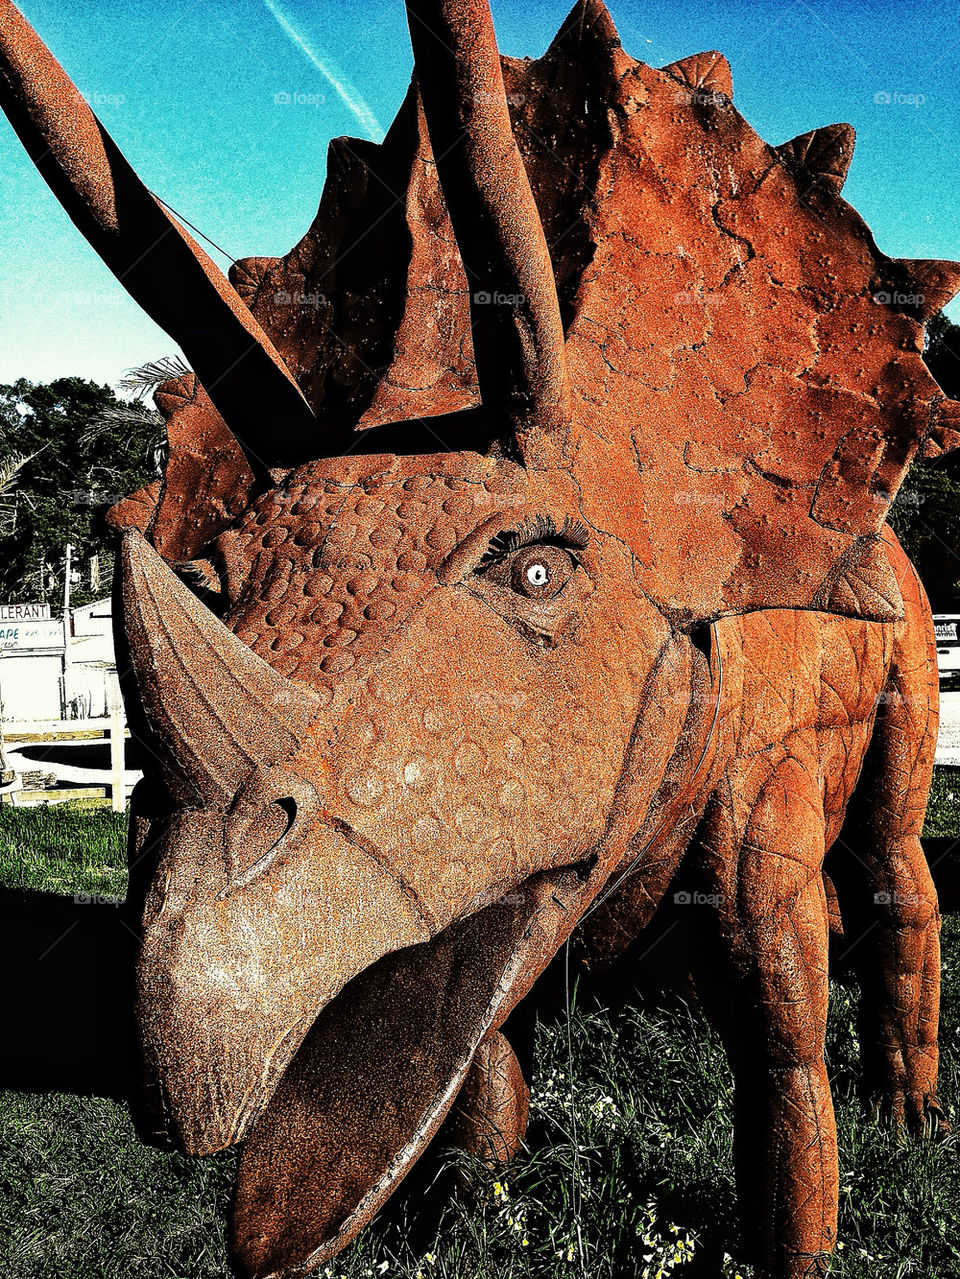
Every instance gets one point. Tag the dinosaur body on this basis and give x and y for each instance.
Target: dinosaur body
(548, 548)
(861, 737)
(829, 771)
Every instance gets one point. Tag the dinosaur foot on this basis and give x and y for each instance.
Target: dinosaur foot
(911, 1114)
(490, 1118)
(799, 1265)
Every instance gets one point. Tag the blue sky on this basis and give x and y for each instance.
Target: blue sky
(189, 90)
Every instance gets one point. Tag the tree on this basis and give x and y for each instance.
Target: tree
(942, 354)
(10, 468)
(926, 512)
(73, 448)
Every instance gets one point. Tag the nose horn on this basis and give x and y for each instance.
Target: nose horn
(217, 710)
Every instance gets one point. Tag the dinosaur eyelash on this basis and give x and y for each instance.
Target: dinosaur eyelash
(542, 531)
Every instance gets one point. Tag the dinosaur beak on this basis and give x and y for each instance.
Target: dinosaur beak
(231, 976)
(378, 1072)
(322, 1022)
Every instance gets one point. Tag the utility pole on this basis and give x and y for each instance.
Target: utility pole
(3, 754)
(8, 777)
(66, 629)
(118, 789)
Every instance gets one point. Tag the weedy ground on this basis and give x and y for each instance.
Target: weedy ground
(629, 1172)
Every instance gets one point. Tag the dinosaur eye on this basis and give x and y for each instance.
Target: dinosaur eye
(535, 572)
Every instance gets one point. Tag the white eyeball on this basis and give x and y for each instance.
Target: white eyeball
(538, 574)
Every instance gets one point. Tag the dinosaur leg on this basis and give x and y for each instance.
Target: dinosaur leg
(761, 966)
(891, 922)
(490, 1119)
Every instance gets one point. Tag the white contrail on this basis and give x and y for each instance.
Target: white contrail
(347, 94)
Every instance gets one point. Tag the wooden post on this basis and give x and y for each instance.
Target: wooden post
(6, 774)
(118, 789)
(3, 753)
(67, 655)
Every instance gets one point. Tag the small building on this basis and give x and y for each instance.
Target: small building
(34, 682)
(92, 661)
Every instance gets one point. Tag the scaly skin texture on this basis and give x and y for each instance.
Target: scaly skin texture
(803, 758)
(884, 889)
(520, 543)
(760, 855)
(831, 768)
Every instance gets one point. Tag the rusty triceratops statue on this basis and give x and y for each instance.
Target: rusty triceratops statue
(522, 538)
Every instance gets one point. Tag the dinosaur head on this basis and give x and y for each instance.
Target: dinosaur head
(571, 366)
(423, 702)
(401, 767)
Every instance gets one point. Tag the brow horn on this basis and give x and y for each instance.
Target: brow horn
(217, 708)
(157, 262)
(515, 315)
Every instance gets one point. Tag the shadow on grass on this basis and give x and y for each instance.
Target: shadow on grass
(67, 1012)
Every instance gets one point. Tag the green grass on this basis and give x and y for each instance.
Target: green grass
(80, 1196)
(64, 849)
(631, 1135)
(943, 811)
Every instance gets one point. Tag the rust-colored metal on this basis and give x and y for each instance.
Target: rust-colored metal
(623, 395)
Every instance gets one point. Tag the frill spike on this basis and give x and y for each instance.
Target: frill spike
(587, 24)
(919, 286)
(705, 72)
(824, 154)
(246, 275)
